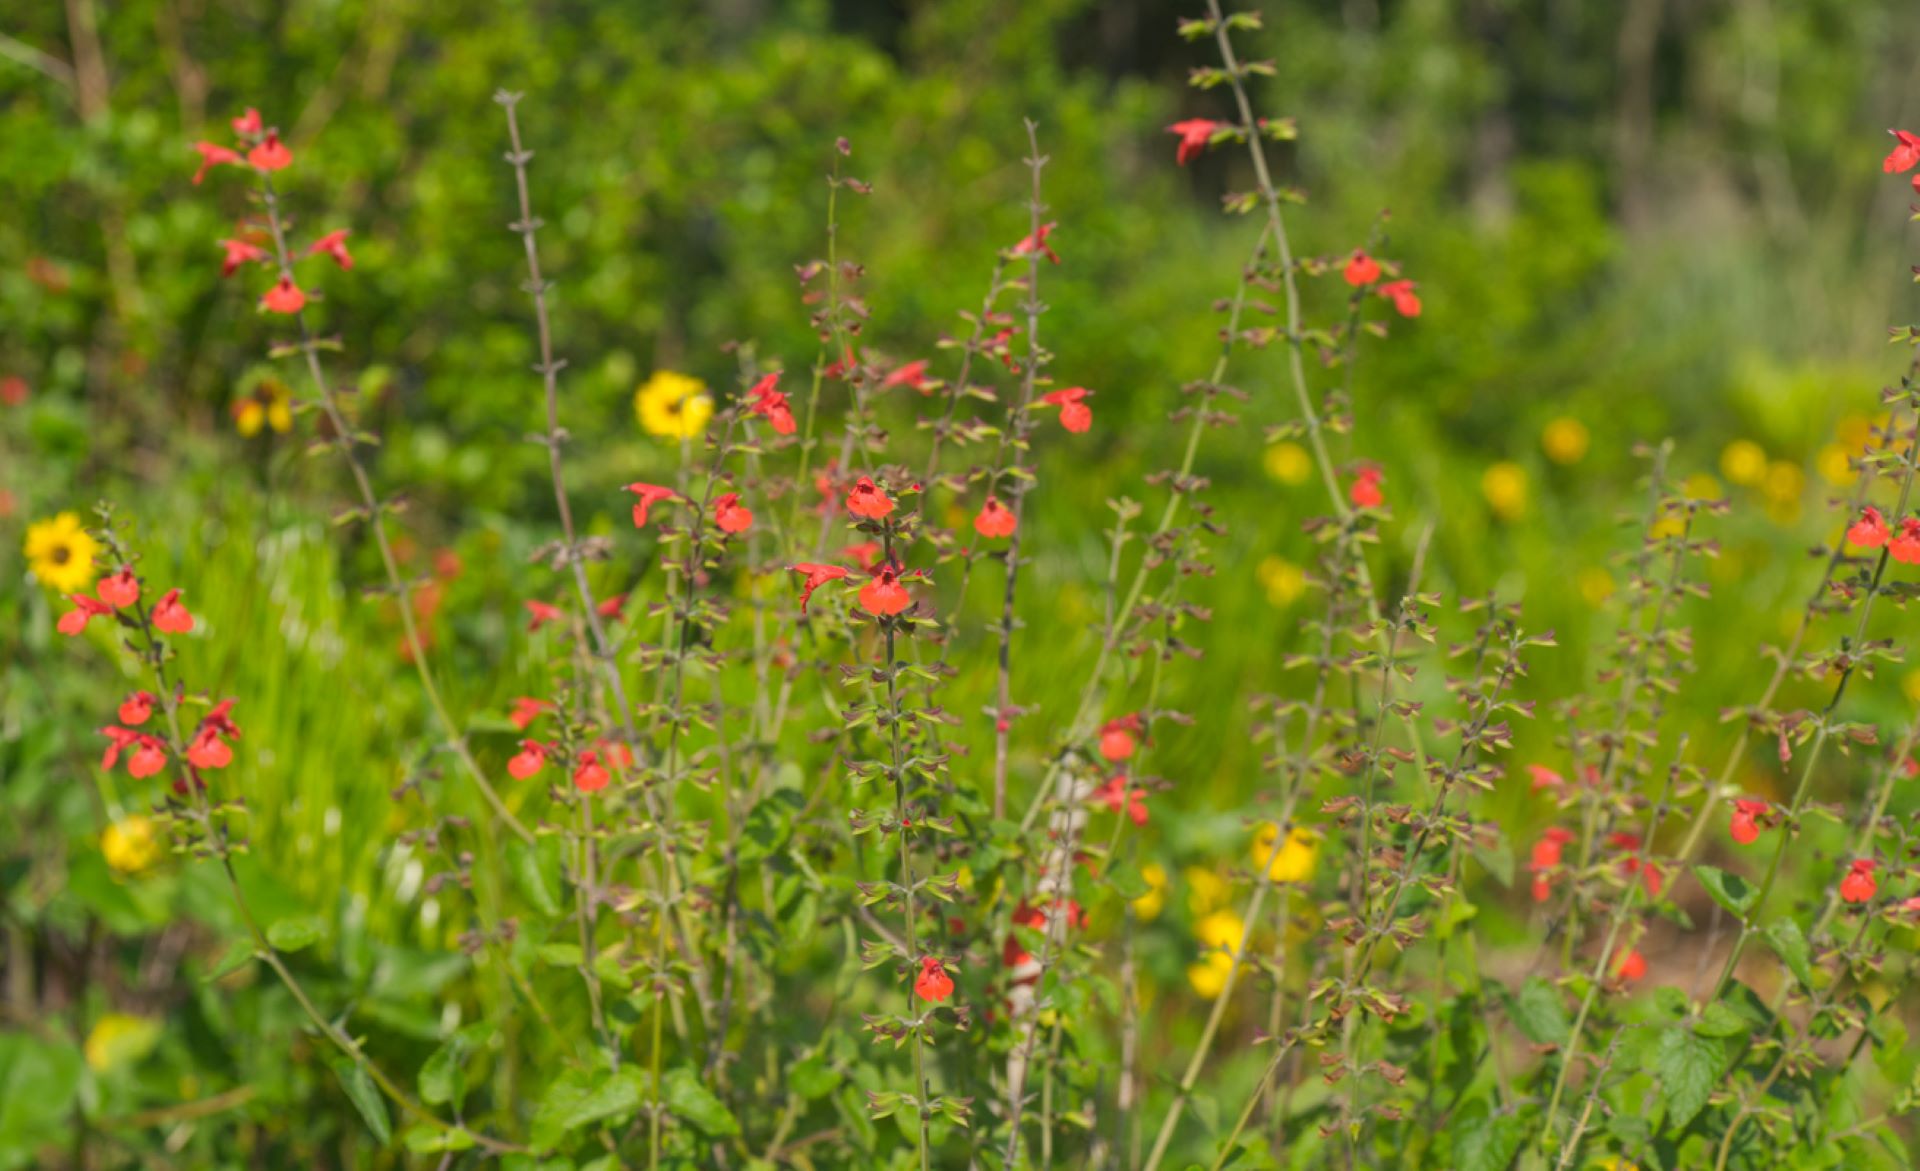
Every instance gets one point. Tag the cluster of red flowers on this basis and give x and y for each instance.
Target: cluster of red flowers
(1075, 415)
(731, 515)
(117, 592)
(650, 495)
(265, 153)
(1904, 156)
(1365, 491)
(590, 773)
(1870, 531)
(1363, 270)
(770, 403)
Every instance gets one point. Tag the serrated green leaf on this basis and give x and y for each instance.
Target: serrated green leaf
(579, 1098)
(688, 1097)
(365, 1097)
(295, 933)
(1486, 1141)
(238, 955)
(530, 870)
(1688, 1066)
(1539, 1013)
(1787, 942)
(1729, 890)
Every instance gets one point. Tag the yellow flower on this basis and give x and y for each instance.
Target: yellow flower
(129, 844)
(1294, 860)
(60, 553)
(1701, 486)
(1282, 579)
(1743, 462)
(1565, 440)
(1220, 934)
(1669, 524)
(1911, 685)
(1835, 467)
(1288, 463)
(1205, 889)
(1505, 487)
(673, 406)
(1209, 976)
(118, 1039)
(1854, 432)
(268, 404)
(1596, 585)
(1783, 488)
(1148, 906)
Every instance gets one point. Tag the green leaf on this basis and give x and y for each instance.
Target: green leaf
(443, 1078)
(295, 933)
(530, 876)
(580, 1098)
(1729, 890)
(39, 1083)
(688, 1097)
(1127, 881)
(365, 1097)
(1790, 945)
(769, 825)
(238, 956)
(1539, 1013)
(1485, 1141)
(1688, 1067)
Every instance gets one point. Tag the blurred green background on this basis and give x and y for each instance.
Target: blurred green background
(1628, 221)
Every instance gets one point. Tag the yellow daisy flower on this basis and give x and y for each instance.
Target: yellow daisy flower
(1288, 463)
(1282, 580)
(1595, 584)
(1505, 487)
(1220, 933)
(1743, 462)
(1294, 860)
(1835, 467)
(268, 404)
(60, 553)
(1205, 889)
(673, 406)
(1148, 906)
(129, 844)
(1565, 440)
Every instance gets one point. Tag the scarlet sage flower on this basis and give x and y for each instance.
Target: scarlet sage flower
(211, 156)
(221, 720)
(1365, 491)
(731, 515)
(1870, 531)
(884, 595)
(528, 761)
(119, 590)
(1859, 885)
(526, 710)
(1075, 415)
(147, 759)
(539, 614)
(136, 708)
(865, 554)
(611, 607)
(1545, 778)
(589, 775)
(1405, 301)
(118, 741)
(208, 751)
(913, 374)
(334, 244)
(1362, 270)
(770, 403)
(1905, 548)
(1117, 737)
(1546, 859)
(616, 753)
(85, 609)
(650, 495)
(1195, 134)
(1036, 241)
(271, 154)
(239, 252)
(284, 297)
(817, 576)
(1632, 967)
(933, 984)
(1747, 814)
(1118, 798)
(995, 519)
(867, 499)
(1905, 154)
(247, 125)
(170, 616)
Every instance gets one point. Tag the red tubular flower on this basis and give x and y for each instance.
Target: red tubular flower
(271, 154)
(170, 616)
(1118, 798)
(1870, 531)
(1905, 548)
(1859, 885)
(1036, 241)
(1365, 491)
(247, 125)
(1905, 154)
(211, 156)
(650, 495)
(221, 720)
(208, 751)
(118, 741)
(1362, 270)
(817, 576)
(1545, 778)
(1405, 301)
(119, 590)
(136, 708)
(1118, 736)
(913, 374)
(1195, 134)
(884, 595)
(539, 614)
(149, 758)
(867, 499)
(1632, 967)
(239, 252)
(731, 515)
(531, 758)
(616, 753)
(334, 244)
(85, 609)
(526, 710)
(1747, 815)
(933, 984)
(611, 607)
(995, 519)
(770, 403)
(284, 297)
(589, 775)
(1547, 851)
(1075, 414)
(865, 554)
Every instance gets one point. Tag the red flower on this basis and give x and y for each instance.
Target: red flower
(1747, 815)
(867, 499)
(731, 515)
(220, 719)
(120, 590)
(208, 751)
(1870, 531)
(650, 495)
(1075, 414)
(995, 519)
(1632, 967)
(13, 390)
(1365, 491)
(913, 374)
(1859, 885)
(611, 607)
(1545, 778)
(540, 613)
(1362, 270)
(590, 776)
(1117, 737)
(1119, 798)
(119, 740)
(85, 610)
(170, 616)
(933, 984)
(271, 154)
(334, 244)
(1405, 301)
(1036, 241)
(136, 708)
(248, 124)
(618, 754)
(1904, 155)
(1905, 548)
(1547, 851)
(531, 758)
(817, 576)
(1195, 134)
(771, 403)
(239, 252)
(526, 710)
(149, 758)
(865, 554)
(884, 594)
(284, 297)
(212, 156)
